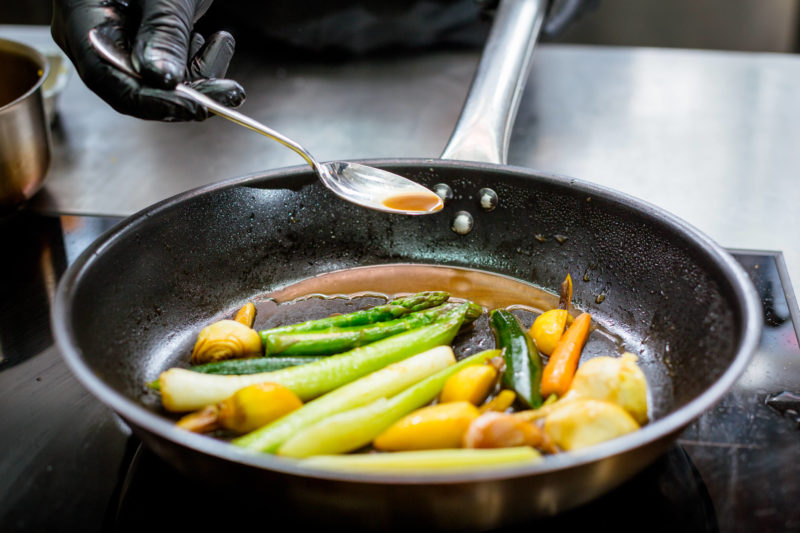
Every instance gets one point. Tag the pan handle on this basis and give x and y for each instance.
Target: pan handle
(483, 130)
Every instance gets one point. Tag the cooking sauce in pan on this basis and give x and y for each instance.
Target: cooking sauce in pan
(348, 290)
(414, 202)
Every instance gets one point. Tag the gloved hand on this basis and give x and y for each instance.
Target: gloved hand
(164, 50)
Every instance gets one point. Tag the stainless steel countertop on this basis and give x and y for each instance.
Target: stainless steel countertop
(713, 137)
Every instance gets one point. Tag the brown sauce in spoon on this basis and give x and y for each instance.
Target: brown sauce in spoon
(414, 202)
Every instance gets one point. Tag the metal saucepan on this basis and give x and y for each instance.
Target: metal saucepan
(132, 304)
(24, 125)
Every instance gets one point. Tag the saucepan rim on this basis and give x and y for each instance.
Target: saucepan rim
(670, 424)
(32, 54)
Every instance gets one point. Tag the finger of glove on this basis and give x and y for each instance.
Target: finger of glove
(161, 46)
(197, 44)
(122, 92)
(126, 95)
(212, 60)
(72, 22)
(227, 92)
(201, 8)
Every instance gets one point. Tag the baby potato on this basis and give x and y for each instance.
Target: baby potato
(617, 380)
(436, 426)
(582, 422)
(471, 384)
(548, 328)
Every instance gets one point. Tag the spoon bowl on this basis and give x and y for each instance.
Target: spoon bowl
(362, 185)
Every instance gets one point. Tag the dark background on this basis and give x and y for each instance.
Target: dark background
(750, 25)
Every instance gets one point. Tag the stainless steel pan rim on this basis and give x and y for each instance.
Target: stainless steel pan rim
(138, 416)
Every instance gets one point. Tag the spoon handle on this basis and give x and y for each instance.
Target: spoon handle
(242, 120)
(108, 51)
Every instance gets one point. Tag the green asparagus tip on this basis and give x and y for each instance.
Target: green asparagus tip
(473, 311)
(422, 300)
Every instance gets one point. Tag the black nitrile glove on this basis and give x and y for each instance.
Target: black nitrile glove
(165, 51)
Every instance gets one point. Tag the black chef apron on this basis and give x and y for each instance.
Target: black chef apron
(354, 26)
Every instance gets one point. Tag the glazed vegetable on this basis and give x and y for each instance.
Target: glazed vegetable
(426, 461)
(472, 384)
(560, 369)
(248, 409)
(504, 399)
(379, 313)
(618, 380)
(226, 339)
(253, 365)
(548, 327)
(335, 340)
(428, 428)
(184, 390)
(583, 422)
(350, 430)
(421, 300)
(523, 364)
(387, 381)
(504, 430)
(246, 315)
(565, 293)
(386, 378)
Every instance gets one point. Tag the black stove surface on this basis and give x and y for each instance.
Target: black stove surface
(69, 464)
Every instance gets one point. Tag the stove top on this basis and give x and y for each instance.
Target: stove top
(68, 463)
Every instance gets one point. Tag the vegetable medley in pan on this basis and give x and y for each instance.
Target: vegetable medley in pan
(385, 380)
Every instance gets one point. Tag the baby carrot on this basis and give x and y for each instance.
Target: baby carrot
(563, 362)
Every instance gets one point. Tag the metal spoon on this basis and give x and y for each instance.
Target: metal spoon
(360, 184)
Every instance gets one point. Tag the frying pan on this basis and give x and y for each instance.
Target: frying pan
(132, 303)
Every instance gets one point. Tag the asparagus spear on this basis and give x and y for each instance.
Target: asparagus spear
(425, 461)
(421, 300)
(252, 365)
(354, 428)
(386, 381)
(335, 340)
(184, 390)
(379, 313)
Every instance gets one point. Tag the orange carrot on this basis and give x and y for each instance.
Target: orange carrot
(563, 362)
